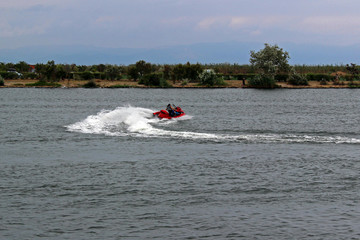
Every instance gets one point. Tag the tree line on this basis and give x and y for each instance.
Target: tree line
(267, 66)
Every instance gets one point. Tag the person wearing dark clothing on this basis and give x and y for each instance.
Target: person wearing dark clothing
(170, 110)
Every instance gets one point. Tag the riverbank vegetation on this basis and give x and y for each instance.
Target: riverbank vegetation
(268, 68)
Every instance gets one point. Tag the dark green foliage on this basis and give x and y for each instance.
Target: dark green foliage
(353, 70)
(318, 77)
(9, 75)
(30, 75)
(2, 83)
(21, 67)
(244, 76)
(112, 73)
(281, 77)
(178, 72)
(192, 71)
(90, 84)
(154, 79)
(133, 73)
(99, 75)
(86, 75)
(143, 67)
(298, 79)
(186, 71)
(262, 81)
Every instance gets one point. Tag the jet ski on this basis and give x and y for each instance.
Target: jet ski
(165, 114)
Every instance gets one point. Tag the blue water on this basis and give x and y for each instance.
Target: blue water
(242, 164)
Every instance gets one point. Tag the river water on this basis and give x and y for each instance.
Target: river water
(242, 164)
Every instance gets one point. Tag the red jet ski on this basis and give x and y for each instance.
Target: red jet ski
(165, 114)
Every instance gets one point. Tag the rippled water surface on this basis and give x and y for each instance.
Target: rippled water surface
(243, 163)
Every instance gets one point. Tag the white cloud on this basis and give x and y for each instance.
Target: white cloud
(332, 24)
(237, 22)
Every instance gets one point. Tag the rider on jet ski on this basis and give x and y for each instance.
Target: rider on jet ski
(172, 110)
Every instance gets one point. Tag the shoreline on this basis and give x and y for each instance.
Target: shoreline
(21, 83)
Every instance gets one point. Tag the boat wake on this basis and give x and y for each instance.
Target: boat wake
(139, 122)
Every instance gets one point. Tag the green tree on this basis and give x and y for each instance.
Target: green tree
(50, 70)
(60, 72)
(178, 72)
(133, 73)
(112, 72)
(352, 70)
(270, 60)
(143, 67)
(167, 71)
(22, 67)
(192, 71)
(208, 77)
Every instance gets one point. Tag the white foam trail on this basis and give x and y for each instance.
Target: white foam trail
(139, 122)
(118, 122)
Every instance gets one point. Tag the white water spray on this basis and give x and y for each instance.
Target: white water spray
(139, 122)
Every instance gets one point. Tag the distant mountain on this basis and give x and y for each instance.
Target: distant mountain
(229, 52)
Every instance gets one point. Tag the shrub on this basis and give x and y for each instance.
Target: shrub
(209, 78)
(298, 79)
(244, 76)
(318, 77)
(87, 75)
(90, 84)
(154, 79)
(1, 81)
(281, 77)
(30, 75)
(9, 75)
(262, 81)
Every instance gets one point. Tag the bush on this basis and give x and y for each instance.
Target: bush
(99, 75)
(262, 81)
(2, 83)
(318, 77)
(9, 75)
(298, 79)
(246, 76)
(30, 75)
(209, 78)
(87, 75)
(281, 77)
(154, 79)
(90, 84)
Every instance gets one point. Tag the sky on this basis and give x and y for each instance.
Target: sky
(166, 23)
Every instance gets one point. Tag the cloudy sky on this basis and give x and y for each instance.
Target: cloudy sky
(163, 23)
